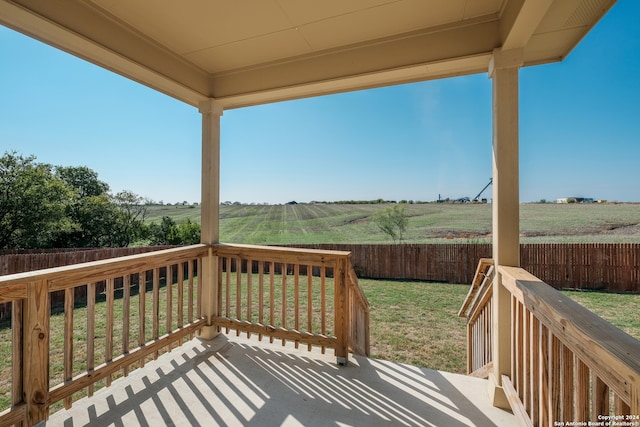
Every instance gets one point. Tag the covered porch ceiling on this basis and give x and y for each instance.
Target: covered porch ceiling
(250, 52)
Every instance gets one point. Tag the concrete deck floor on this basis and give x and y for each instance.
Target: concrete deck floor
(235, 381)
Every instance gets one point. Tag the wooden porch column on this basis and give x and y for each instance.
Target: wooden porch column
(210, 205)
(503, 70)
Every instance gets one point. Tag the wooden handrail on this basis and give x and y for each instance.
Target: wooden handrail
(477, 309)
(12, 286)
(554, 337)
(483, 270)
(314, 257)
(359, 341)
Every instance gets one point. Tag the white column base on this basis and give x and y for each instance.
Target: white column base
(208, 333)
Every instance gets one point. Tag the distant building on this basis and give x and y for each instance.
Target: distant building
(575, 200)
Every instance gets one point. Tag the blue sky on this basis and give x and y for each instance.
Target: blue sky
(579, 130)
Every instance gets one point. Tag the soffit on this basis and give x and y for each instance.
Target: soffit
(256, 51)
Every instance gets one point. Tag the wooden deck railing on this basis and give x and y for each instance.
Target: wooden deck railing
(136, 307)
(141, 305)
(477, 309)
(305, 296)
(568, 366)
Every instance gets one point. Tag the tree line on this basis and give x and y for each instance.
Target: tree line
(47, 206)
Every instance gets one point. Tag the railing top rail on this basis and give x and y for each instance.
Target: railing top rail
(606, 349)
(353, 279)
(482, 270)
(59, 277)
(281, 254)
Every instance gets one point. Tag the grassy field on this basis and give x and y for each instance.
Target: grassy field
(428, 223)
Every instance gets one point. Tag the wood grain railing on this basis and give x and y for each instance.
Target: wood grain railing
(568, 364)
(150, 304)
(139, 306)
(477, 308)
(304, 296)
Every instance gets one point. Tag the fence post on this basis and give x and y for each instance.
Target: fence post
(35, 354)
(341, 306)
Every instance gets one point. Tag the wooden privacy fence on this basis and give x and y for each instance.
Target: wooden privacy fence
(609, 267)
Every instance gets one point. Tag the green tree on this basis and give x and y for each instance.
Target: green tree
(392, 221)
(159, 233)
(188, 233)
(83, 180)
(91, 212)
(32, 203)
(170, 233)
(132, 211)
(43, 206)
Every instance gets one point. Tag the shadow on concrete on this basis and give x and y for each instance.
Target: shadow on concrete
(237, 381)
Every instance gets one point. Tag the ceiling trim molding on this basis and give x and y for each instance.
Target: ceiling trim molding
(429, 71)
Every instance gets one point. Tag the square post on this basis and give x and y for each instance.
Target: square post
(35, 379)
(210, 211)
(503, 70)
(341, 307)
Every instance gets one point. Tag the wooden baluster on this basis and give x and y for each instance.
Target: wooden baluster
(470, 347)
(219, 290)
(142, 308)
(17, 353)
(544, 397)
(517, 347)
(199, 289)
(534, 363)
(634, 407)
(69, 304)
(284, 299)
(581, 407)
(309, 302)
(108, 352)
(621, 408)
(323, 303)
(190, 294)
(227, 287)
(180, 323)
(600, 397)
(126, 307)
(568, 384)
(271, 296)
(169, 290)
(489, 331)
(249, 293)
(341, 323)
(526, 356)
(296, 299)
(554, 378)
(238, 292)
(91, 323)
(156, 306)
(260, 295)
